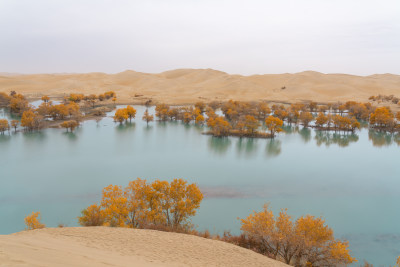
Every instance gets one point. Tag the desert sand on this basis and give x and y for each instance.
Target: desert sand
(187, 86)
(104, 246)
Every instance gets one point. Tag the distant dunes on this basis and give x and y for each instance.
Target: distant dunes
(190, 85)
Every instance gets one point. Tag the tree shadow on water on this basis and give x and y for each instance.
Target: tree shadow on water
(34, 136)
(328, 138)
(273, 148)
(125, 127)
(4, 137)
(219, 145)
(247, 146)
(70, 136)
(380, 139)
(305, 134)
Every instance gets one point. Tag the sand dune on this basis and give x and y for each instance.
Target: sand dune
(191, 85)
(102, 246)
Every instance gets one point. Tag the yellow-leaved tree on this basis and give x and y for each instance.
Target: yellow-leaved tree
(92, 216)
(143, 205)
(32, 221)
(306, 242)
(274, 125)
(114, 205)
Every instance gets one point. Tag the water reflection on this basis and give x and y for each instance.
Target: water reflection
(380, 139)
(125, 127)
(34, 136)
(305, 134)
(70, 136)
(5, 137)
(247, 146)
(273, 148)
(328, 138)
(219, 145)
(288, 129)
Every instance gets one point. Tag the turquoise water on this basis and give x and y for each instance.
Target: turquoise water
(353, 181)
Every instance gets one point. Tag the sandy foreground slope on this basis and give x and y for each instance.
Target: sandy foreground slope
(183, 86)
(103, 246)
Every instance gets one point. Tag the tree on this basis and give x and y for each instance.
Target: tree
(147, 117)
(306, 118)
(398, 117)
(200, 119)
(274, 125)
(72, 124)
(30, 120)
(312, 106)
(18, 104)
(263, 110)
(201, 106)
(185, 200)
(251, 124)
(33, 221)
(114, 99)
(121, 115)
(14, 124)
(321, 119)
(187, 117)
(4, 99)
(136, 194)
(382, 117)
(4, 125)
(91, 216)
(307, 242)
(45, 99)
(219, 126)
(131, 112)
(114, 206)
(162, 112)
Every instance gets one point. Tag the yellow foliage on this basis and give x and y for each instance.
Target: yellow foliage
(33, 221)
(92, 216)
(4, 125)
(307, 242)
(274, 125)
(131, 112)
(121, 115)
(141, 205)
(114, 206)
(147, 117)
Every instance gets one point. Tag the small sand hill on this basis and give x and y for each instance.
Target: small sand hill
(191, 85)
(103, 246)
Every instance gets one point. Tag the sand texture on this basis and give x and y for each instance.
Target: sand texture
(103, 246)
(185, 86)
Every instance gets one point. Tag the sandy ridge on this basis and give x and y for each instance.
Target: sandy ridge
(103, 246)
(190, 85)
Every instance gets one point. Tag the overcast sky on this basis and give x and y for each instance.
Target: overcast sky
(245, 37)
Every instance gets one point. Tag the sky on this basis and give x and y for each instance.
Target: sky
(246, 37)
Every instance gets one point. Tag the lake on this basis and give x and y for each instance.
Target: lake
(353, 181)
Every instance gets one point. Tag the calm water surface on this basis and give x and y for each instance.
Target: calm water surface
(352, 181)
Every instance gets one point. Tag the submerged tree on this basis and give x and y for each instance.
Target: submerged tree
(131, 112)
(4, 126)
(147, 117)
(71, 125)
(121, 115)
(274, 125)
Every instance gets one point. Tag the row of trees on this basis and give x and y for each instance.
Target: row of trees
(144, 205)
(92, 98)
(34, 118)
(122, 115)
